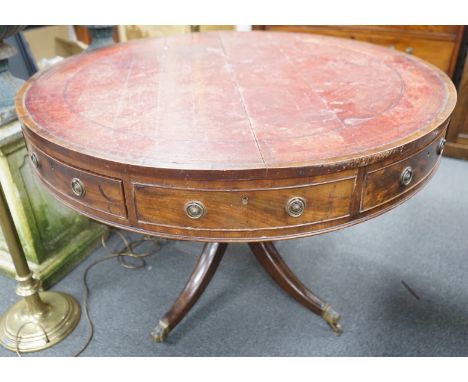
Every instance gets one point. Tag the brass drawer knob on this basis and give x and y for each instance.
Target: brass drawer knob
(77, 187)
(194, 210)
(34, 160)
(440, 146)
(295, 207)
(406, 176)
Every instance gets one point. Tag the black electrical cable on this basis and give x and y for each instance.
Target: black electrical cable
(123, 256)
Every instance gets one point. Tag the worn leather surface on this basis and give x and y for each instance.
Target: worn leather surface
(236, 100)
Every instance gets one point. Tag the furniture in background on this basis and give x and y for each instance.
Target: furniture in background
(237, 137)
(457, 135)
(437, 44)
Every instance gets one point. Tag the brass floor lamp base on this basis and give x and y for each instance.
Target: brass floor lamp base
(40, 319)
(26, 331)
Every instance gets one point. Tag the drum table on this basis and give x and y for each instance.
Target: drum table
(236, 137)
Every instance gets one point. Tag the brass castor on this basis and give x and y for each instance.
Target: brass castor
(333, 319)
(160, 332)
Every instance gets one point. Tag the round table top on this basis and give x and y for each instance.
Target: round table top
(236, 101)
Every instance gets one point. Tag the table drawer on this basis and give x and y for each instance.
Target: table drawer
(84, 188)
(387, 183)
(243, 209)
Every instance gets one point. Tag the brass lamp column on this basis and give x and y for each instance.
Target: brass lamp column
(40, 319)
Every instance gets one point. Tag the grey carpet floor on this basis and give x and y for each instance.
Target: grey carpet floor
(359, 270)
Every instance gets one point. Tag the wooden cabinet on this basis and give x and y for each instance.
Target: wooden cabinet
(437, 44)
(457, 136)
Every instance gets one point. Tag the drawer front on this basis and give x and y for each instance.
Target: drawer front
(243, 209)
(387, 183)
(79, 187)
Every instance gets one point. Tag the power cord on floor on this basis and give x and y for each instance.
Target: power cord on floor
(123, 257)
(127, 252)
(18, 336)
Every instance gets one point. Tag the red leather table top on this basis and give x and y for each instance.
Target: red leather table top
(227, 100)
